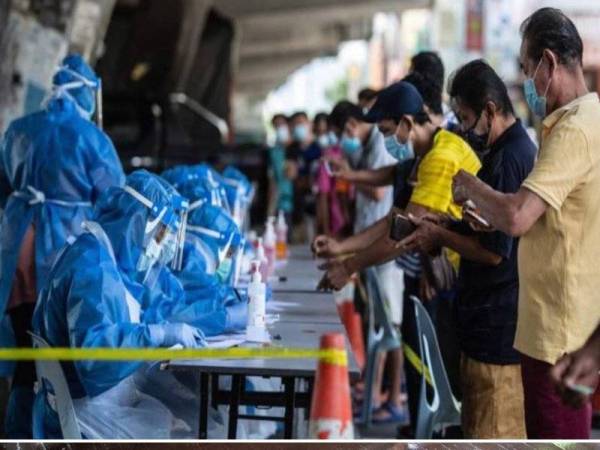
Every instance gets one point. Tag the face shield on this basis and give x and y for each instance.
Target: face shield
(162, 232)
(225, 249)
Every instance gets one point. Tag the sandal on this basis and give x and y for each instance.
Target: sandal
(395, 414)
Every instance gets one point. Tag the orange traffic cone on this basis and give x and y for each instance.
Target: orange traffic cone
(330, 413)
(344, 301)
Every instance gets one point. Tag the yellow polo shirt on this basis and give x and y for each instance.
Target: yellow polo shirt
(448, 155)
(559, 257)
(433, 190)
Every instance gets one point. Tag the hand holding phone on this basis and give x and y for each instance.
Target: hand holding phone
(402, 227)
(471, 211)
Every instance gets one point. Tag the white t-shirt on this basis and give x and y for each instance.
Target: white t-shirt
(372, 156)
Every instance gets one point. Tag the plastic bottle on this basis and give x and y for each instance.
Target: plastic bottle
(269, 243)
(263, 262)
(257, 295)
(281, 230)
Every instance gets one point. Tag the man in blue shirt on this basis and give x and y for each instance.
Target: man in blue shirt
(488, 284)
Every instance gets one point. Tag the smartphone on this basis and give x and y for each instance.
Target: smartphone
(581, 389)
(469, 209)
(328, 168)
(402, 227)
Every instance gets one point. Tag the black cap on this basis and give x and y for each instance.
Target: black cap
(395, 101)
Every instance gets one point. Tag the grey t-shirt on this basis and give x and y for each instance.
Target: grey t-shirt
(372, 156)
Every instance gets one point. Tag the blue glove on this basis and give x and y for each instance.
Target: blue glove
(237, 317)
(181, 333)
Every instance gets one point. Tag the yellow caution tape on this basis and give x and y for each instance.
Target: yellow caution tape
(416, 362)
(330, 356)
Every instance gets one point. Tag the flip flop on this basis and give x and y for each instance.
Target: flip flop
(396, 414)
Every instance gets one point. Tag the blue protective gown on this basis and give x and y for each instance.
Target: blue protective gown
(86, 305)
(56, 164)
(53, 166)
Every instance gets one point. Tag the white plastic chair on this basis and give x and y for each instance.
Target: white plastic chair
(443, 410)
(51, 372)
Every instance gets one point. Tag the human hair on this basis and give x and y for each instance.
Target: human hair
(344, 111)
(367, 94)
(550, 28)
(320, 117)
(299, 115)
(429, 90)
(430, 65)
(277, 117)
(476, 83)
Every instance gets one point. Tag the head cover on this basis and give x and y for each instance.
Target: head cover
(178, 175)
(138, 219)
(217, 229)
(240, 193)
(215, 179)
(76, 81)
(395, 101)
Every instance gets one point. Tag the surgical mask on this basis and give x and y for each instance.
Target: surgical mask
(169, 249)
(333, 139)
(399, 150)
(149, 256)
(323, 141)
(224, 269)
(536, 103)
(300, 132)
(478, 142)
(350, 145)
(282, 134)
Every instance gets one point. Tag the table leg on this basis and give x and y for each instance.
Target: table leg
(203, 425)
(234, 405)
(215, 390)
(288, 424)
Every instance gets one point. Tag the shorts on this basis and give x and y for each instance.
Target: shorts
(391, 280)
(492, 400)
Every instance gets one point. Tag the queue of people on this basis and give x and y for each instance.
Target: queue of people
(511, 227)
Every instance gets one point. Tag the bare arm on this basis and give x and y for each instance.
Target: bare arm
(513, 214)
(374, 177)
(323, 226)
(467, 247)
(365, 238)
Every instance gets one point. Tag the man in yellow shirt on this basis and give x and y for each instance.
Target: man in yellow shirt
(400, 116)
(557, 213)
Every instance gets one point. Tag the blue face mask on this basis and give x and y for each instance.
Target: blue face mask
(398, 150)
(350, 145)
(282, 134)
(333, 139)
(323, 141)
(300, 133)
(224, 270)
(537, 103)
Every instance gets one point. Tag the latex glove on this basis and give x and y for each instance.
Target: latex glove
(237, 317)
(181, 333)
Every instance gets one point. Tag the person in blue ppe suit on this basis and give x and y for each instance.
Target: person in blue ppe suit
(53, 165)
(99, 297)
(177, 176)
(240, 193)
(207, 303)
(216, 180)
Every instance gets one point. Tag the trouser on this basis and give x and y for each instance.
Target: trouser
(492, 402)
(546, 416)
(19, 413)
